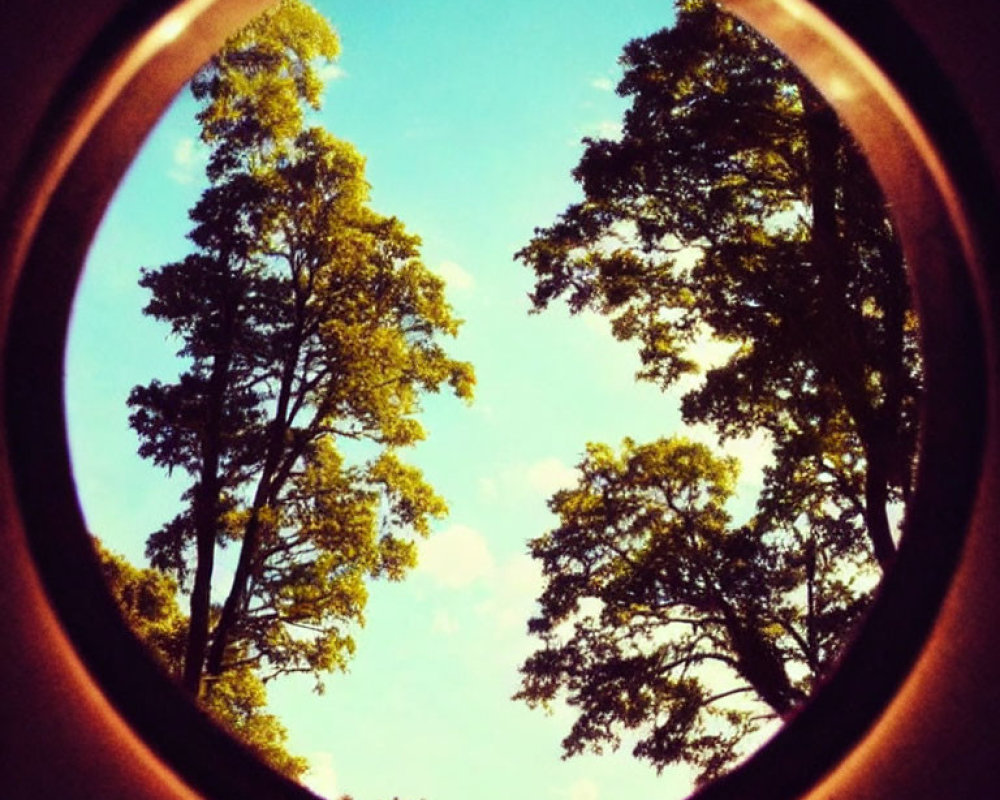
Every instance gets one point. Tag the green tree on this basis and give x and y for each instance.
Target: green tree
(662, 618)
(306, 320)
(736, 207)
(147, 599)
(733, 208)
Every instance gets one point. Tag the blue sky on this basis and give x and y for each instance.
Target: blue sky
(470, 116)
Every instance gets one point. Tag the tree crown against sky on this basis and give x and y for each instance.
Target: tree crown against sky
(663, 620)
(309, 330)
(736, 209)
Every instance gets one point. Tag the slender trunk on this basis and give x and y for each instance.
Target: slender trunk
(201, 593)
(813, 655)
(267, 490)
(205, 509)
(876, 498)
(897, 381)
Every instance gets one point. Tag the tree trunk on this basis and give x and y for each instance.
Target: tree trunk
(206, 508)
(876, 497)
(840, 341)
(759, 663)
(265, 494)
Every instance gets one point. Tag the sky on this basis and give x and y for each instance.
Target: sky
(470, 117)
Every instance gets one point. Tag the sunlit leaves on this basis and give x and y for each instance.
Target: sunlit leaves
(256, 90)
(308, 329)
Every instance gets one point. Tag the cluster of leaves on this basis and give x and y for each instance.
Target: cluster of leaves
(306, 320)
(734, 208)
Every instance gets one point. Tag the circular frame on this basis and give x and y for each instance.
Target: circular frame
(903, 714)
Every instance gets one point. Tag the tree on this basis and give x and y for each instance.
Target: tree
(733, 208)
(147, 599)
(661, 617)
(736, 207)
(306, 320)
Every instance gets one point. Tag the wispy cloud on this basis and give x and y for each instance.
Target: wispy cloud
(583, 789)
(601, 129)
(535, 479)
(330, 72)
(605, 129)
(444, 623)
(514, 586)
(550, 475)
(603, 84)
(454, 275)
(456, 557)
(188, 158)
(321, 776)
(489, 489)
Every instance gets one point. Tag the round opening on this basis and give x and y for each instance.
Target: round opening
(942, 245)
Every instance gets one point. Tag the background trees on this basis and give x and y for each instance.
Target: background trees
(736, 208)
(661, 616)
(306, 321)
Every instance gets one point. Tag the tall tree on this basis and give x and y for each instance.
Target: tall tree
(736, 207)
(662, 619)
(306, 320)
(733, 208)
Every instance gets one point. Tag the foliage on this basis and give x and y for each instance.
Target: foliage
(147, 599)
(306, 321)
(661, 617)
(734, 209)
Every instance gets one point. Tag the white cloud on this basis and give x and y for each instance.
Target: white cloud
(593, 321)
(603, 84)
(583, 789)
(522, 576)
(754, 453)
(454, 276)
(549, 475)
(444, 623)
(488, 489)
(602, 129)
(456, 557)
(188, 157)
(515, 586)
(330, 72)
(528, 481)
(711, 353)
(321, 776)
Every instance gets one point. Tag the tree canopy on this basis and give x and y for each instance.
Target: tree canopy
(306, 322)
(734, 208)
(661, 617)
